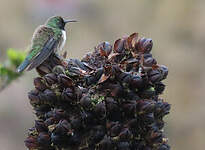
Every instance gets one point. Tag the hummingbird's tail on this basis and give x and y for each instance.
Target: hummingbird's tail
(23, 66)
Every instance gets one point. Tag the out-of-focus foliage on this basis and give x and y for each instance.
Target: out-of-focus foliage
(8, 69)
(15, 57)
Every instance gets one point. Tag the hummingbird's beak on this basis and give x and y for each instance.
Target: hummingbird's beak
(67, 21)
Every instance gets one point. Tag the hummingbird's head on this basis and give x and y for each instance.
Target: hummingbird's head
(58, 22)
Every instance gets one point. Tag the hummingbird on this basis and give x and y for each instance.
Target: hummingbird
(47, 39)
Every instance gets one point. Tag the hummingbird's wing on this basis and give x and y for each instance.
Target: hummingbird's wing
(43, 44)
(44, 54)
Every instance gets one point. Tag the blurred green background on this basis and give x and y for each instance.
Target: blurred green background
(176, 27)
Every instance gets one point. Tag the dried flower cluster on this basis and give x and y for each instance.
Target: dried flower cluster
(107, 101)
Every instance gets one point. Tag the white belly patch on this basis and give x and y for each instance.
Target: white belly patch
(63, 40)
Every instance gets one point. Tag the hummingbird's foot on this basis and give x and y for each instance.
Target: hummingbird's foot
(62, 60)
(58, 56)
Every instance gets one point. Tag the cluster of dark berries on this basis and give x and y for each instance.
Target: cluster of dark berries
(109, 100)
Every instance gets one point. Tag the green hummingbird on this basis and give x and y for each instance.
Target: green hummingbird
(47, 39)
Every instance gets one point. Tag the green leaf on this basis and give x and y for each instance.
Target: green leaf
(7, 70)
(16, 57)
(3, 71)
